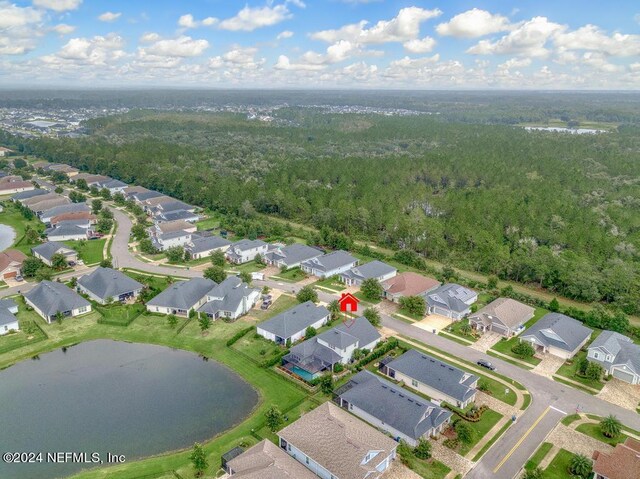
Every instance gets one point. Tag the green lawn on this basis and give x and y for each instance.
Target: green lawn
(273, 388)
(208, 223)
(538, 456)
(29, 332)
(292, 275)
(504, 346)
(361, 297)
(593, 430)
(11, 216)
(415, 317)
(568, 370)
(334, 284)
(559, 466)
(250, 267)
(159, 283)
(284, 302)
(256, 347)
(570, 418)
(89, 251)
(429, 469)
(454, 329)
(119, 314)
(489, 419)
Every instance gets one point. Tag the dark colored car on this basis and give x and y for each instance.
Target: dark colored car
(486, 364)
(265, 305)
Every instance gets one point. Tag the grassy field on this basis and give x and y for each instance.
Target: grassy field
(208, 223)
(568, 370)
(454, 329)
(559, 466)
(537, 457)
(504, 347)
(250, 267)
(29, 332)
(155, 282)
(489, 419)
(273, 389)
(284, 302)
(430, 469)
(119, 314)
(334, 284)
(11, 216)
(593, 430)
(292, 275)
(256, 347)
(88, 251)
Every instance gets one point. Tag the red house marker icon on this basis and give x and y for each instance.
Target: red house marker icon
(348, 303)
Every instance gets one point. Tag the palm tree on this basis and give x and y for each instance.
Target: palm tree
(610, 426)
(532, 474)
(580, 465)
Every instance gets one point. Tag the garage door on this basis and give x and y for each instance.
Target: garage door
(11, 274)
(442, 312)
(623, 375)
(498, 328)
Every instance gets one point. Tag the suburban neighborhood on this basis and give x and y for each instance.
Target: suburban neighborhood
(383, 370)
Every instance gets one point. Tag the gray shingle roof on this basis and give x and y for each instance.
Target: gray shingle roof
(621, 347)
(293, 254)
(109, 184)
(146, 195)
(25, 195)
(339, 441)
(558, 330)
(66, 228)
(450, 296)
(48, 249)
(183, 294)
(69, 208)
(402, 410)
(174, 206)
(51, 297)
(360, 329)
(330, 261)
(436, 374)
(227, 296)
(247, 244)
(177, 215)
(373, 269)
(6, 315)
(294, 320)
(106, 283)
(200, 244)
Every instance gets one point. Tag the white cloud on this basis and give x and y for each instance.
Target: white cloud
(149, 37)
(58, 5)
(183, 46)
(187, 21)
(600, 62)
(64, 29)
(251, 18)
(12, 16)
(473, 23)
(284, 63)
(590, 37)
(109, 16)
(528, 39)
(285, 34)
(515, 63)
(424, 45)
(404, 27)
(96, 51)
(337, 52)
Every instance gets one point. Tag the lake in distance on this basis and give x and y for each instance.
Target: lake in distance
(114, 397)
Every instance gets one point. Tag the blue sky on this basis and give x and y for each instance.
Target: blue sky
(321, 44)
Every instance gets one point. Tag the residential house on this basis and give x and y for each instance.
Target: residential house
(291, 256)
(47, 216)
(181, 297)
(451, 300)
(291, 325)
(92, 179)
(505, 316)
(174, 205)
(45, 252)
(131, 190)
(203, 246)
(150, 203)
(373, 270)
(10, 185)
(437, 379)
(114, 186)
(265, 460)
(329, 265)
(87, 216)
(25, 195)
(168, 240)
(72, 230)
(246, 250)
(49, 298)
(621, 463)
(383, 404)
(407, 284)
(321, 353)
(44, 205)
(230, 299)
(333, 444)
(8, 321)
(189, 216)
(618, 355)
(557, 334)
(35, 199)
(11, 263)
(172, 226)
(106, 285)
(141, 196)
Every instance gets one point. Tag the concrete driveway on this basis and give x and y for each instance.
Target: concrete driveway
(548, 366)
(433, 321)
(486, 341)
(623, 394)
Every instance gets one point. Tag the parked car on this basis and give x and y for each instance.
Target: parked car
(72, 263)
(19, 277)
(486, 364)
(265, 305)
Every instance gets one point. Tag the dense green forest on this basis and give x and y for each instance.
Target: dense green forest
(559, 211)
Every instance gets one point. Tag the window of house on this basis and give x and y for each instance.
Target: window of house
(609, 357)
(306, 460)
(414, 383)
(596, 355)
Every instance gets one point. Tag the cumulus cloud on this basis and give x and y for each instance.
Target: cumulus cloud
(19, 28)
(284, 34)
(284, 63)
(402, 28)
(251, 18)
(473, 23)
(58, 5)
(109, 17)
(527, 39)
(12, 16)
(64, 29)
(96, 51)
(590, 37)
(182, 47)
(424, 45)
(187, 21)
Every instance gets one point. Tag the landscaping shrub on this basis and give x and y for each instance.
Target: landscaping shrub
(523, 350)
(238, 335)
